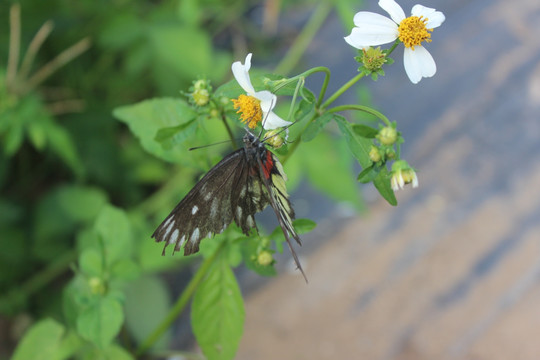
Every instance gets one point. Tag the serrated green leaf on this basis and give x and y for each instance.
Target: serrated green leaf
(113, 228)
(382, 184)
(217, 313)
(316, 126)
(42, 341)
(101, 322)
(147, 304)
(358, 146)
(365, 131)
(146, 118)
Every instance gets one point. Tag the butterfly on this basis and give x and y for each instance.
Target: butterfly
(239, 186)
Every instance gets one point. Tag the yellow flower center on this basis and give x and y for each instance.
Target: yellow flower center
(412, 31)
(249, 109)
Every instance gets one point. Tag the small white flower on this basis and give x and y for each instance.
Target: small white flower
(402, 174)
(266, 98)
(373, 29)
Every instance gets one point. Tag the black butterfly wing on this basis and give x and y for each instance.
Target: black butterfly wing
(206, 210)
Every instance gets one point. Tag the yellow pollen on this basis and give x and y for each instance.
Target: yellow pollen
(249, 109)
(412, 31)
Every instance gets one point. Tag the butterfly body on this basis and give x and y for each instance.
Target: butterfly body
(240, 185)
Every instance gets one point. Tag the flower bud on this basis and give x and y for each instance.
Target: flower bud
(373, 58)
(97, 286)
(387, 135)
(200, 97)
(402, 174)
(374, 154)
(265, 258)
(273, 138)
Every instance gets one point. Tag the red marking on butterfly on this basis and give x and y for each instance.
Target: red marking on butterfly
(268, 165)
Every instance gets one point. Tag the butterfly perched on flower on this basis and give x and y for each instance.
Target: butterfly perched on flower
(240, 185)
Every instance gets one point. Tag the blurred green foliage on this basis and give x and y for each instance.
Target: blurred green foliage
(81, 192)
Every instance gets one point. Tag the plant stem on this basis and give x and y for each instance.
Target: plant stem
(14, 44)
(229, 131)
(363, 108)
(60, 60)
(303, 40)
(180, 303)
(341, 90)
(33, 48)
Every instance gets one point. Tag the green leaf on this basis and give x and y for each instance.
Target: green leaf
(62, 144)
(358, 146)
(146, 118)
(170, 136)
(382, 183)
(147, 304)
(368, 174)
(59, 214)
(112, 225)
(42, 341)
(217, 313)
(91, 262)
(101, 321)
(303, 226)
(365, 131)
(329, 168)
(316, 126)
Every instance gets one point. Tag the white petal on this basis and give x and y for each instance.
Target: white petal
(376, 31)
(272, 121)
(435, 18)
(366, 18)
(418, 63)
(393, 9)
(241, 74)
(268, 100)
(415, 181)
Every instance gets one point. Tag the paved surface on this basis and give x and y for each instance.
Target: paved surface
(454, 271)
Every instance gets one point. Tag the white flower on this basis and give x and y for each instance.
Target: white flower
(266, 98)
(402, 174)
(373, 29)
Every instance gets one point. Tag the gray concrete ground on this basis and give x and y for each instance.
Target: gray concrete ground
(454, 271)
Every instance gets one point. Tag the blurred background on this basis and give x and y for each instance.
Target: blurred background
(452, 272)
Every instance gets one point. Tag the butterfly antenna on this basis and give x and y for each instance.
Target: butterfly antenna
(205, 146)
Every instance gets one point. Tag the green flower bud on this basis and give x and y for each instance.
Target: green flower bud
(373, 58)
(97, 286)
(273, 138)
(265, 258)
(374, 154)
(387, 135)
(201, 97)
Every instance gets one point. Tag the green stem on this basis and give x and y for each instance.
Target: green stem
(341, 90)
(229, 131)
(180, 303)
(362, 108)
(304, 39)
